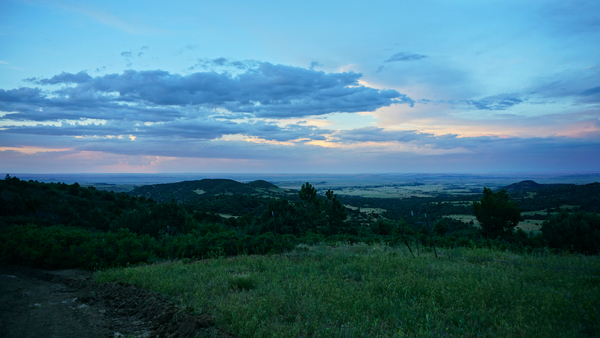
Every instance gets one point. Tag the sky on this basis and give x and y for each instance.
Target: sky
(299, 87)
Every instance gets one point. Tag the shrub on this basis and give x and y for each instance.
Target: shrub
(579, 232)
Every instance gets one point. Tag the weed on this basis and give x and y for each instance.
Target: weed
(242, 282)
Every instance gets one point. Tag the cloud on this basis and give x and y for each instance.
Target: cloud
(591, 91)
(493, 103)
(412, 137)
(273, 91)
(486, 146)
(179, 129)
(23, 94)
(375, 134)
(254, 114)
(63, 78)
(405, 57)
(576, 85)
(224, 64)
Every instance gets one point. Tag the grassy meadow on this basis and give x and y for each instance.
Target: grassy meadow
(380, 291)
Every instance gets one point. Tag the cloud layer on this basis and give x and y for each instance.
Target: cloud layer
(265, 91)
(261, 113)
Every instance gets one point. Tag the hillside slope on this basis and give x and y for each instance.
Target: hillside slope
(190, 191)
(531, 186)
(534, 196)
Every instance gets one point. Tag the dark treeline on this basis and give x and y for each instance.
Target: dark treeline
(64, 226)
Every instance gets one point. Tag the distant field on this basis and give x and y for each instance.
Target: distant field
(465, 218)
(228, 216)
(403, 190)
(530, 225)
(366, 185)
(112, 187)
(527, 225)
(323, 181)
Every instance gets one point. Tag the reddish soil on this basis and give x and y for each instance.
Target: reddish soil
(68, 303)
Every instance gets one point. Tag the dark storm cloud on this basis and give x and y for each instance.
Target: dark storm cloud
(405, 57)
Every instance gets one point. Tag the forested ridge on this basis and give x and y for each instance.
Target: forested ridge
(59, 225)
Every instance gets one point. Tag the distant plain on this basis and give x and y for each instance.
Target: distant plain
(367, 185)
(393, 186)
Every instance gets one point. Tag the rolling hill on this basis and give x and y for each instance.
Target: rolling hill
(533, 196)
(192, 191)
(531, 186)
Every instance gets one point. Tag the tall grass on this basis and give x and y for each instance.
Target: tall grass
(368, 291)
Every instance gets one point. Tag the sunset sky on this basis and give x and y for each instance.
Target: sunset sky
(299, 87)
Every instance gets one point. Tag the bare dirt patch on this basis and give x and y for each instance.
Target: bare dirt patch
(68, 303)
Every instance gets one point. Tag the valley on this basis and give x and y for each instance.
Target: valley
(255, 257)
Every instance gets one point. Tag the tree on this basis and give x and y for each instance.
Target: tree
(579, 232)
(308, 193)
(496, 213)
(336, 212)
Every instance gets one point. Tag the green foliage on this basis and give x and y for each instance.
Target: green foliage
(578, 232)
(58, 247)
(496, 213)
(551, 197)
(60, 225)
(380, 291)
(441, 227)
(382, 227)
(308, 193)
(313, 213)
(336, 214)
(242, 282)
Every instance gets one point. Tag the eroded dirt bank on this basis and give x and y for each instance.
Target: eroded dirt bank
(68, 303)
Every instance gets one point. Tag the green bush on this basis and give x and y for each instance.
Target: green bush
(57, 247)
(578, 232)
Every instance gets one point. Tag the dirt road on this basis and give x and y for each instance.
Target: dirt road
(68, 303)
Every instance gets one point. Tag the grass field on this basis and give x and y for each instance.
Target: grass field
(402, 190)
(380, 291)
(526, 225)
